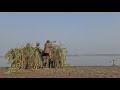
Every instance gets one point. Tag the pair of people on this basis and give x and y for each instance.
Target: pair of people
(47, 48)
(46, 55)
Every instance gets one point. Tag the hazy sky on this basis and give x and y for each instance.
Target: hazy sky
(80, 32)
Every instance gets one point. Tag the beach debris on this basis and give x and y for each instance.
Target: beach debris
(113, 61)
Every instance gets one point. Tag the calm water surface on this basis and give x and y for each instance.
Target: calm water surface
(92, 60)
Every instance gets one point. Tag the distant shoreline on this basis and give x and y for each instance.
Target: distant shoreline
(95, 55)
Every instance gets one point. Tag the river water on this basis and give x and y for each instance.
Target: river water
(80, 61)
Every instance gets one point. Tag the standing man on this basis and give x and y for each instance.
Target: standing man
(46, 55)
(38, 61)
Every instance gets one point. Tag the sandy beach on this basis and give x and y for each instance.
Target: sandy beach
(68, 72)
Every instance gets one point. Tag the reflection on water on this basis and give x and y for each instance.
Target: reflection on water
(80, 60)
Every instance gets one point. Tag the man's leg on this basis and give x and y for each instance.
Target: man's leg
(44, 61)
(47, 62)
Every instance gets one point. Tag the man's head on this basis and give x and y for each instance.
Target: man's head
(48, 41)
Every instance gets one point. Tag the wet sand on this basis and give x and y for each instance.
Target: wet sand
(68, 72)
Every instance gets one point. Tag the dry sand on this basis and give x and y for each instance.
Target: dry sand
(68, 72)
